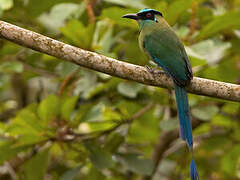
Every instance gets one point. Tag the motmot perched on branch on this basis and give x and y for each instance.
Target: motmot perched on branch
(161, 43)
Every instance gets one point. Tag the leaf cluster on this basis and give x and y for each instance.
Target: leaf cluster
(61, 121)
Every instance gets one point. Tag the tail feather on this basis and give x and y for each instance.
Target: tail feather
(193, 171)
(184, 115)
(185, 125)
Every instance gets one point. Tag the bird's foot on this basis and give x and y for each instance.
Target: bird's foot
(154, 71)
(149, 69)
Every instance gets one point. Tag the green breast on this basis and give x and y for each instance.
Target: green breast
(161, 43)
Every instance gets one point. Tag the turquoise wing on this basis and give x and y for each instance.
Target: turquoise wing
(168, 52)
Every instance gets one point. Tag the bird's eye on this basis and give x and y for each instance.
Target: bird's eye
(148, 15)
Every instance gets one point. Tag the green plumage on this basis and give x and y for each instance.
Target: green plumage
(160, 42)
(164, 47)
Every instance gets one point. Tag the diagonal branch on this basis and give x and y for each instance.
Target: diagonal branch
(112, 66)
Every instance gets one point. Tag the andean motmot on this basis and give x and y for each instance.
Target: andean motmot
(160, 42)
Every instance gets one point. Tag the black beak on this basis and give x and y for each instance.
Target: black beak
(131, 16)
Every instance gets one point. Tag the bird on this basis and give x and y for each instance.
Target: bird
(160, 42)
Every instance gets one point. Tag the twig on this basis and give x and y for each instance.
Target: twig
(11, 171)
(72, 86)
(66, 81)
(193, 24)
(16, 162)
(20, 56)
(90, 11)
(97, 134)
(39, 71)
(164, 142)
(197, 141)
(112, 66)
(5, 115)
(141, 111)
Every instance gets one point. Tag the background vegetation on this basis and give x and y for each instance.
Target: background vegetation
(60, 121)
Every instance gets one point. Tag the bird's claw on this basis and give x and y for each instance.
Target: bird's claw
(149, 69)
(153, 71)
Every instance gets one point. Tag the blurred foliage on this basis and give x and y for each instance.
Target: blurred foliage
(61, 121)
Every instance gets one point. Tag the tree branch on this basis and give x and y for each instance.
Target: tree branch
(112, 66)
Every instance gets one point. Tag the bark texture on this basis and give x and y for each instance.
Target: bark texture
(112, 66)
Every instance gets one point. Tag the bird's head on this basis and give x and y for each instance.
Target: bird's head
(146, 14)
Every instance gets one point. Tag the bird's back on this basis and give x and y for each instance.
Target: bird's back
(165, 48)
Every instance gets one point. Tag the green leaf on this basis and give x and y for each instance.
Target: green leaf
(70, 174)
(197, 62)
(228, 65)
(167, 166)
(2, 127)
(231, 108)
(9, 48)
(215, 143)
(9, 67)
(58, 15)
(100, 157)
(136, 163)
(29, 139)
(71, 31)
(95, 174)
(37, 166)
(26, 123)
(133, 3)
(113, 142)
(110, 114)
(8, 150)
(86, 84)
(78, 33)
(66, 68)
(49, 108)
(35, 7)
(169, 124)
(27, 127)
(228, 21)
(176, 9)
(115, 14)
(68, 107)
(28, 118)
(6, 4)
(131, 49)
(230, 160)
(205, 113)
(104, 39)
(94, 113)
(221, 120)
(211, 50)
(129, 89)
(1, 11)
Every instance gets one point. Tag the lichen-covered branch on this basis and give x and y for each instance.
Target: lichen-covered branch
(112, 66)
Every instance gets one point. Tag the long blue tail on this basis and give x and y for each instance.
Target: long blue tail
(193, 171)
(185, 124)
(184, 115)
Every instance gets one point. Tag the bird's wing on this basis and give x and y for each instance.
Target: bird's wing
(168, 52)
